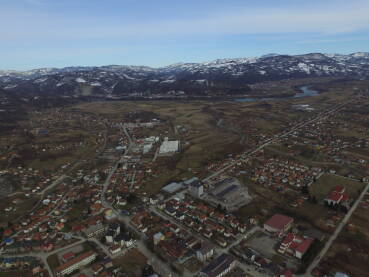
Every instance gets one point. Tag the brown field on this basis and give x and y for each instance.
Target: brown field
(131, 262)
(348, 254)
(25, 206)
(321, 188)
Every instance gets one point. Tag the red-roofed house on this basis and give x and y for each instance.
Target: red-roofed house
(8, 232)
(303, 247)
(337, 196)
(286, 273)
(68, 256)
(278, 224)
(339, 189)
(47, 247)
(334, 198)
(295, 245)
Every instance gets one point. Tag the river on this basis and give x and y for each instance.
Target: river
(306, 91)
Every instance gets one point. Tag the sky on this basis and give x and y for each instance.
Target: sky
(59, 33)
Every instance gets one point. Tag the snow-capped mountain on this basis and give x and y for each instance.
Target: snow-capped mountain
(223, 76)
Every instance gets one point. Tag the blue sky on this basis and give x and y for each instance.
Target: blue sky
(58, 33)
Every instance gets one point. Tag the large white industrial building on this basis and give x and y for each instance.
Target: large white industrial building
(169, 147)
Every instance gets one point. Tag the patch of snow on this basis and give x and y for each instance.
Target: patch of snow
(360, 54)
(168, 82)
(41, 80)
(304, 67)
(201, 81)
(10, 86)
(80, 80)
(128, 77)
(96, 84)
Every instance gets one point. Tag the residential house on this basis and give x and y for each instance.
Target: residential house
(295, 245)
(278, 224)
(205, 252)
(219, 266)
(337, 196)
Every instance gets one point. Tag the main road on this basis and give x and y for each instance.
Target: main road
(339, 228)
(158, 265)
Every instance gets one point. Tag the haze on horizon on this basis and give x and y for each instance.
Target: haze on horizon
(47, 33)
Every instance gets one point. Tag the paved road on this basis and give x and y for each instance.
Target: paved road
(339, 228)
(132, 181)
(53, 184)
(127, 134)
(156, 154)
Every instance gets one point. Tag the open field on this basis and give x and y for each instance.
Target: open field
(349, 255)
(324, 185)
(19, 209)
(131, 262)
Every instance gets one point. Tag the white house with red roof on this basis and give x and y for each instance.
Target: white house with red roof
(337, 196)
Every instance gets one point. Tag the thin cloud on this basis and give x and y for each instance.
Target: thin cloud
(343, 19)
(332, 40)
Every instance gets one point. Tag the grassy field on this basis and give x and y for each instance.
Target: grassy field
(322, 187)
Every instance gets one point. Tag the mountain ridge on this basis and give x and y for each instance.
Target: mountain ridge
(218, 77)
